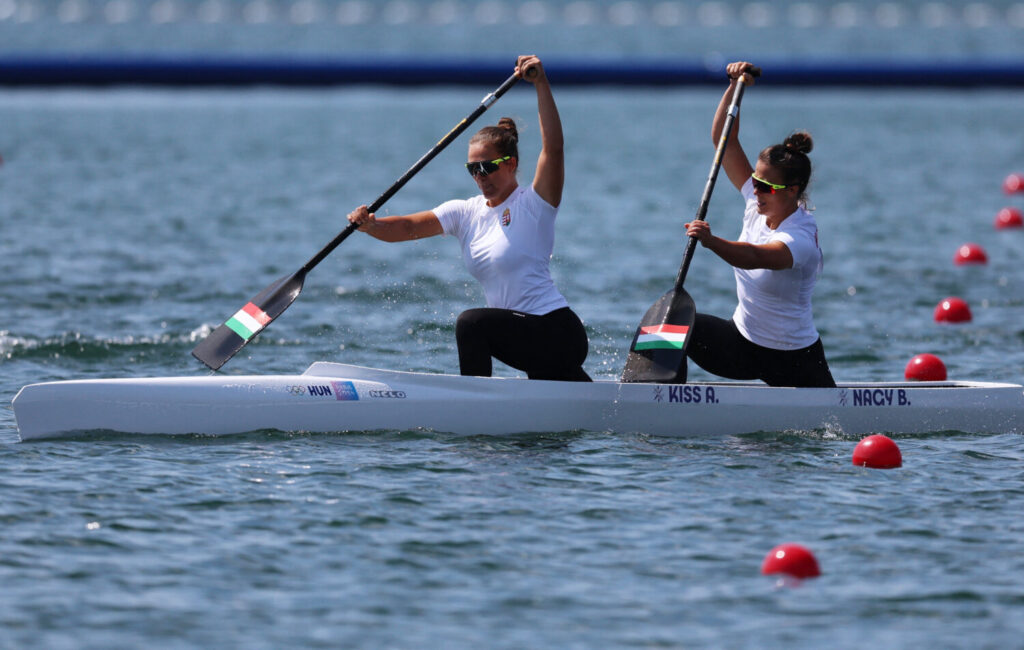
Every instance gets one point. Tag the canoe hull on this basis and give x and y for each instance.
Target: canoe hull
(331, 397)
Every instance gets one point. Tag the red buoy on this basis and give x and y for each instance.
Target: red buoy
(925, 367)
(791, 559)
(1014, 183)
(970, 254)
(878, 452)
(952, 310)
(1009, 218)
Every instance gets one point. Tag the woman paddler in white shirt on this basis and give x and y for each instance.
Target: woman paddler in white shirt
(507, 234)
(771, 335)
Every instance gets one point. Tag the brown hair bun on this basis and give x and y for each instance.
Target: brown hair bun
(509, 124)
(504, 137)
(799, 141)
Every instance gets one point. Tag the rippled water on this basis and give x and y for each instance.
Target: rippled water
(411, 540)
(134, 221)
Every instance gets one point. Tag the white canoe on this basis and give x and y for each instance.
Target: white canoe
(334, 397)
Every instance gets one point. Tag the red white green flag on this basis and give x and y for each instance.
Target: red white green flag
(661, 337)
(248, 321)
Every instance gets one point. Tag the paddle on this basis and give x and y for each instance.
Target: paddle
(658, 351)
(251, 319)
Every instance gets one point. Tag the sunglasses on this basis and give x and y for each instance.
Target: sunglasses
(761, 185)
(484, 167)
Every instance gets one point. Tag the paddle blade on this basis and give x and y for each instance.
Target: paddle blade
(658, 352)
(250, 320)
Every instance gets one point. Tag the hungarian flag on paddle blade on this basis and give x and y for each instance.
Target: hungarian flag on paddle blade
(661, 337)
(658, 352)
(247, 322)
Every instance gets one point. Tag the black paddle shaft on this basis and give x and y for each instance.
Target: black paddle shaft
(716, 165)
(674, 313)
(223, 342)
(420, 164)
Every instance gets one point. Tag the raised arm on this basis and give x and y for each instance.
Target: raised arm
(550, 176)
(734, 160)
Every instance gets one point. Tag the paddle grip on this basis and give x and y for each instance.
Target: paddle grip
(753, 71)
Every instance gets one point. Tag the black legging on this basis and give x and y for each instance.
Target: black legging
(552, 346)
(717, 346)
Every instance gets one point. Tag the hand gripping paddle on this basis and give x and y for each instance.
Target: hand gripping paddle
(658, 351)
(251, 319)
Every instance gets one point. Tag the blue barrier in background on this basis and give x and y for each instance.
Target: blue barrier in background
(92, 70)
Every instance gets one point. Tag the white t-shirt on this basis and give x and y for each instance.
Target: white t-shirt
(507, 248)
(774, 307)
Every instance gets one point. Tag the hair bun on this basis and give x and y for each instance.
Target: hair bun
(509, 124)
(799, 141)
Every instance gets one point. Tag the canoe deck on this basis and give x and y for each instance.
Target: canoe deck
(334, 397)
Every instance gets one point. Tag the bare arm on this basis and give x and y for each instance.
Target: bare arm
(399, 228)
(550, 177)
(774, 256)
(734, 160)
